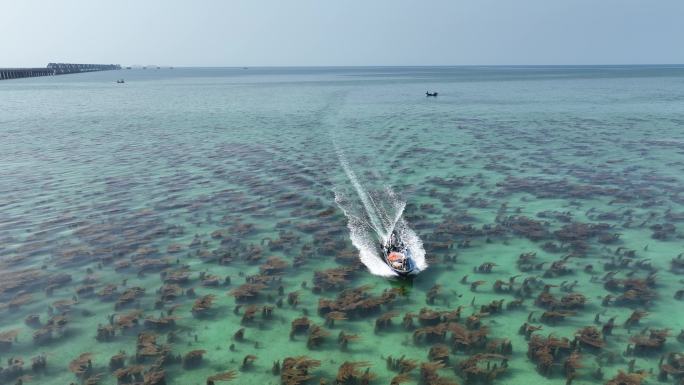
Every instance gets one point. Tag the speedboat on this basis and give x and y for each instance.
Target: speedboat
(428, 93)
(398, 256)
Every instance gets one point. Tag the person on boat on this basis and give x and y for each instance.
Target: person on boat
(397, 260)
(393, 241)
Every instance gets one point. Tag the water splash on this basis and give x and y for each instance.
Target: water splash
(371, 218)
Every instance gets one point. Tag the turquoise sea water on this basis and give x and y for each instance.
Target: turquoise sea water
(193, 178)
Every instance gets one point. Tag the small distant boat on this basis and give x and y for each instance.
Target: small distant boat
(398, 255)
(120, 81)
(428, 93)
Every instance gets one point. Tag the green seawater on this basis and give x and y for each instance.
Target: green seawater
(212, 171)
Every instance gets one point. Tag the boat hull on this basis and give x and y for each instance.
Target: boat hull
(410, 268)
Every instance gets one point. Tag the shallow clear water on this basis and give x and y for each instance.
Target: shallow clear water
(124, 184)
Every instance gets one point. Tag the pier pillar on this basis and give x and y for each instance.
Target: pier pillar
(53, 69)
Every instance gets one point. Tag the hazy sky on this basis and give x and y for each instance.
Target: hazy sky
(341, 32)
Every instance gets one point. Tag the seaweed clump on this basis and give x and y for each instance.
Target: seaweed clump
(623, 378)
(7, 338)
(273, 266)
(652, 342)
(350, 373)
(82, 366)
(429, 375)
(590, 337)
(148, 348)
(317, 336)
(385, 320)
(356, 302)
(225, 376)
(634, 291)
(343, 339)
(527, 227)
(117, 361)
(54, 328)
(547, 352)
(673, 365)
(335, 278)
(295, 370)
(569, 301)
(247, 291)
(202, 306)
(482, 368)
(466, 340)
(193, 359)
(299, 326)
(128, 297)
(14, 369)
(401, 364)
(160, 323)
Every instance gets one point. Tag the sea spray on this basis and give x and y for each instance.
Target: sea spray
(363, 238)
(371, 218)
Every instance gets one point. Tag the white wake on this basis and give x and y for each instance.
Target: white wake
(371, 218)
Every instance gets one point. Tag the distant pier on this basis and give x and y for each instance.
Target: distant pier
(54, 69)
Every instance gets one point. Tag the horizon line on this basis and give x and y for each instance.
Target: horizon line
(387, 65)
(435, 66)
(401, 65)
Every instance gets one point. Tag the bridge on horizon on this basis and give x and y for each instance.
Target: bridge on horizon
(54, 69)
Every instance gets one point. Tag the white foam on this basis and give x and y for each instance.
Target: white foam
(371, 218)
